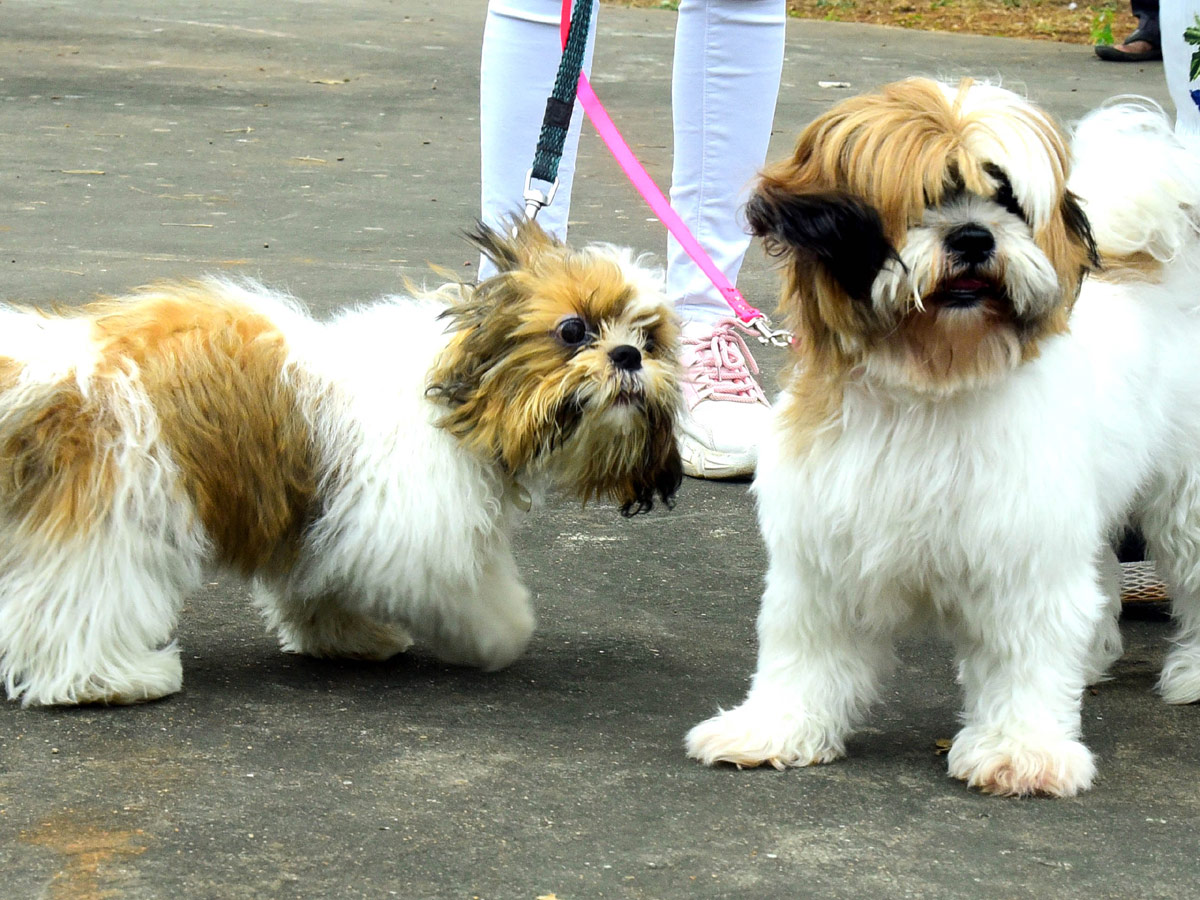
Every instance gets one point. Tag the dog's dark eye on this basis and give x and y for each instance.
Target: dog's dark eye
(572, 331)
(650, 344)
(1004, 191)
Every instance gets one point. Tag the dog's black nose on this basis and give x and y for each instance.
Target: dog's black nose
(626, 357)
(971, 243)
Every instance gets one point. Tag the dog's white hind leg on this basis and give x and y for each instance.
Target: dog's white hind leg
(1171, 524)
(1180, 679)
(817, 671)
(1106, 646)
(324, 626)
(90, 620)
(1023, 665)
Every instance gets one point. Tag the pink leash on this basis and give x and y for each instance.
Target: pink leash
(658, 203)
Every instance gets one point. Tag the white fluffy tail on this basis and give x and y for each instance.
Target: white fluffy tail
(1139, 185)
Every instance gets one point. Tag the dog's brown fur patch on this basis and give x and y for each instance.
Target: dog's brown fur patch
(936, 346)
(55, 477)
(213, 370)
(1140, 267)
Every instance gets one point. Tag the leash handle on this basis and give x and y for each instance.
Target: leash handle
(661, 207)
(556, 121)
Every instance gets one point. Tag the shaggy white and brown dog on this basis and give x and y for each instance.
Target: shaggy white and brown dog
(363, 472)
(995, 366)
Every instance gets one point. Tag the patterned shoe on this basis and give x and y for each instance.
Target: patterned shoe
(725, 409)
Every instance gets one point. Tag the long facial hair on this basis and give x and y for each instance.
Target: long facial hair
(523, 390)
(879, 173)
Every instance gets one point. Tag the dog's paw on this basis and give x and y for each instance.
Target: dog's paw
(1180, 680)
(489, 642)
(138, 679)
(342, 635)
(1021, 767)
(746, 737)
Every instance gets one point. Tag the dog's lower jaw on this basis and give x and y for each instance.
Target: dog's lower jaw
(945, 363)
(618, 450)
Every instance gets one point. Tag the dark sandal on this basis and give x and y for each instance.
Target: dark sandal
(1111, 53)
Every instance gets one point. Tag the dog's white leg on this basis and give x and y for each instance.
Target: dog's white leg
(1106, 647)
(1180, 679)
(325, 627)
(487, 625)
(1023, 664)
(1171, 524)
(89, 621)
(817, 672)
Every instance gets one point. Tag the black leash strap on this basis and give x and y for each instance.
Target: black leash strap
(559, 107)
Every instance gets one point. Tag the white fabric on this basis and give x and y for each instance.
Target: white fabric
(728, 60)
(1174, 17)
(725, 79)
(521, 52)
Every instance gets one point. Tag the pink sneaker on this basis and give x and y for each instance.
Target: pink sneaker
(725, 409)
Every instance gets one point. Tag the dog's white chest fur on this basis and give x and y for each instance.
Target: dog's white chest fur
(926, 496)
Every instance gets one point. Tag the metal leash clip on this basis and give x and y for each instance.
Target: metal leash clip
(768, 334)
(536, 199)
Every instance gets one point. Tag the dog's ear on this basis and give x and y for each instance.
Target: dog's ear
(514, 244)
(842, 232)
(485, 317)
(483, 320)
(1080, 228)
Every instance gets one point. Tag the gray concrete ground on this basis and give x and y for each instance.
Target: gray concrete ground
(332, 148)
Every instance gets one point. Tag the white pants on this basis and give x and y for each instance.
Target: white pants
(1174, 16)
(725, 80)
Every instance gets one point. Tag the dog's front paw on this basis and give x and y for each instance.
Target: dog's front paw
(1180, 681)
(490, 639)
(1021, 767)
(748, 737)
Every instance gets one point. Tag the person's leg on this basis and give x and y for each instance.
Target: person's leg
(1146, 12)
(1180, 43)
(725, 80)
(1145, 42)
(520, 57)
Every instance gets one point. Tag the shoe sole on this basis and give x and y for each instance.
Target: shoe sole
(702, 463)
(1109, 53)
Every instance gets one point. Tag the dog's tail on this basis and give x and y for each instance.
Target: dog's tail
(1138, 183)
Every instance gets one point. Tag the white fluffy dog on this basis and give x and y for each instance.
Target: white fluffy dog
(984, 388)
(363, 471)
